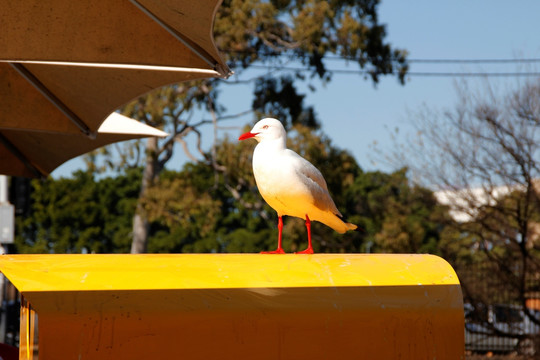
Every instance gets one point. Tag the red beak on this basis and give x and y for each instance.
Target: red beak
(247, 135)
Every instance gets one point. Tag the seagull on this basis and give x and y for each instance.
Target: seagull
(290, 184)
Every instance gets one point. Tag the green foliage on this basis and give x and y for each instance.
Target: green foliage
(276, 32)
(219, 222)
(203, 209)
(79, 215)
(397, 216)
(254, 30)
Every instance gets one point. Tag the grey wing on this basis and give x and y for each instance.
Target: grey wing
(308, 170)
(314, 180)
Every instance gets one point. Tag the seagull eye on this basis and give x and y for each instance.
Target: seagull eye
(265, 127)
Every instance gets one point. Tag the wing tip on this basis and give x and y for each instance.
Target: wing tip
(351, 227)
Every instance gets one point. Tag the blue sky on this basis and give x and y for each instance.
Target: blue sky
(355, 114)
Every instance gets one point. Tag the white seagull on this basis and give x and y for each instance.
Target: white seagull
(290, 184)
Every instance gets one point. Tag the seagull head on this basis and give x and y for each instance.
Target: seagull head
(266, 129)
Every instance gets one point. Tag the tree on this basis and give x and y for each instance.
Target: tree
(484, 156)
(79, 214)
(262, 32)
(201, 210)
(164, 108)
(233, 217)
(398, 217)
(227, 213)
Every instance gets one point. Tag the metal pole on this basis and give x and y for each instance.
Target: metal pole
(3, 189)
(3, 250)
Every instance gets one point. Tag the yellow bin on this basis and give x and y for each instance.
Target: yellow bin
(237, 306)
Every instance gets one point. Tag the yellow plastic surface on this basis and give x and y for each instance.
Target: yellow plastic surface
(324, 306)
(210, 271)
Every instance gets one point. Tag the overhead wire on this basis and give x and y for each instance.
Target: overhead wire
(437, 61)
(479, 73)
(452, 61)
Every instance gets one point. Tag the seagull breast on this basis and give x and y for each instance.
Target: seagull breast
(290, 184)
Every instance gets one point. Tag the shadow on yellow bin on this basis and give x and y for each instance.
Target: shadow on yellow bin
(237, 306)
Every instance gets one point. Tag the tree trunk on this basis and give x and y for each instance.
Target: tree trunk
(141, 226)
(140, 232)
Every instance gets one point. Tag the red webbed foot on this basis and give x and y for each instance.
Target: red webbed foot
(277, 251)
(309, 250)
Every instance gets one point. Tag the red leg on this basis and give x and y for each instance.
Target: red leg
(279, 249)
(309, 249)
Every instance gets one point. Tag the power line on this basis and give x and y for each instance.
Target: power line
(474, 61)
(409, 73)
(412, 60)
(450, 61)
(474, 74)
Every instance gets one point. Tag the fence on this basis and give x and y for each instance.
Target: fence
(502, 312)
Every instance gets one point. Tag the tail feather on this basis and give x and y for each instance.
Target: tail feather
(339, 224)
